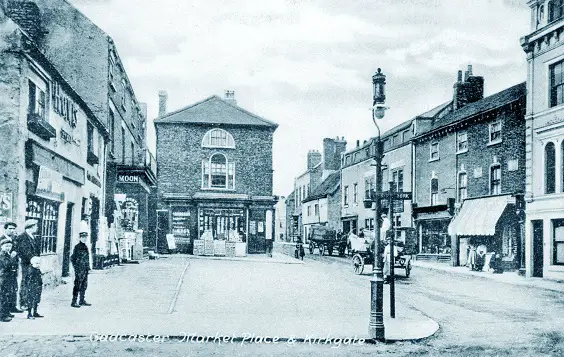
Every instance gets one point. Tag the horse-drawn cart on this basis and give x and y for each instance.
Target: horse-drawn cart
(326, 240)
(363, 254)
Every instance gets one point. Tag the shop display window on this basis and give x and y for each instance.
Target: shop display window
(222, 224)
(46, 212)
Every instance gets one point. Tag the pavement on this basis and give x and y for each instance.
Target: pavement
(509, 277)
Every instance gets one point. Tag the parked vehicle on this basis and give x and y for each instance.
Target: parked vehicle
(327, 240)
(362, 250)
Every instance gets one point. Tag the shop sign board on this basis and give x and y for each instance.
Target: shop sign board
(208, 247)
(49, 181)
(181, 222)
(230, 249)
(128, 178)
(5, 207)
(219, 248)
(198, 247)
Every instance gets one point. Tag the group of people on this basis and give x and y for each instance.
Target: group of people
(21, 254)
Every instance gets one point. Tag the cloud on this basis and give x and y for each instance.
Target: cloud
(307, 64)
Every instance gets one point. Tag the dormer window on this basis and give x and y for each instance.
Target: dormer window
(218, 138)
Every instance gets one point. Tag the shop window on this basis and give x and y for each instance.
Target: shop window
(218, 173)
(558, 243)
(495, 132)
(461, 142)
(495, 179)
(549, 168)
(433, 151)
(555, 10)
(462, 186)
(355, 192)
(218, 138)
(47, 215)
(434, 191)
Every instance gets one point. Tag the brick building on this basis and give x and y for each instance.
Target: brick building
(358, 181)
(292, 227)
(319, 167)
(52, 160)
(544, 140)
(323, 204)
(215, 177)
(90, 61)
(469, 174)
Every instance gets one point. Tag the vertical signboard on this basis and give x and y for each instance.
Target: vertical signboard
(5, 207)
(180, 216)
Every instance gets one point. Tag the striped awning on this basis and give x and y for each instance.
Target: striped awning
(478, 217)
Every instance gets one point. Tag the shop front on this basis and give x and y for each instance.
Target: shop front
(213, 224)
(433, 240)
(350, 224)
(489, 225)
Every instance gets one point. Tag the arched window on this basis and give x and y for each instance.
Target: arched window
(218, 138)
(434, 191)
(549, 168)
(218, 173)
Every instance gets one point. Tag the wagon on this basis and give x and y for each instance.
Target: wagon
(362, 251)
(326, 240)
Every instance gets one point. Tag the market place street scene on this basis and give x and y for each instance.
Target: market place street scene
(279, 178)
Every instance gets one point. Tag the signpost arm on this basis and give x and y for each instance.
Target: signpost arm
(391, 201)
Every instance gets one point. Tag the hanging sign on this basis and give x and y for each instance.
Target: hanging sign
(5, 207)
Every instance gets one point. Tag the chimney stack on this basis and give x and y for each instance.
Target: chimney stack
(468, 91)
(28, 16)
(143, 107)
(313, 158)
(163, 96)
(230, 97)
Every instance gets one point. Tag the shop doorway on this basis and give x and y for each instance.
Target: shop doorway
(68, 240)
(94, 224)
(538, 259)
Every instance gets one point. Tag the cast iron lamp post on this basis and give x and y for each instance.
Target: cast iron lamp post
(376, 324)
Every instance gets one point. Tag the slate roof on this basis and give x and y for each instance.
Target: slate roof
(215, 110)
(326, 187)
(494, 101)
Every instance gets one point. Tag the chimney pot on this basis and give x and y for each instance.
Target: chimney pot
(470, 70)
(230, 97)
(459, 76)
(163, 96)
(466, 76)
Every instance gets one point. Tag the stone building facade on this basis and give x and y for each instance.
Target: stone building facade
(215, 177)
(90, 61)
(52, 159)
(544, 229)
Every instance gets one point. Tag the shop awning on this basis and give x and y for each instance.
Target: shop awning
(478, 217)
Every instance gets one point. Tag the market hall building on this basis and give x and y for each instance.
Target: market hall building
(214, 178)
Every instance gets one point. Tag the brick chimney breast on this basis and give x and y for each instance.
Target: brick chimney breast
(468, 91)
(313, 158)
(163, 96)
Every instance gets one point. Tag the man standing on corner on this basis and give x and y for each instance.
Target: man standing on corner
(27, 247)
(80, 259)
(12, 278)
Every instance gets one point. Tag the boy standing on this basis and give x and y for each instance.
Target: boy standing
(34, 288)
(80, 259)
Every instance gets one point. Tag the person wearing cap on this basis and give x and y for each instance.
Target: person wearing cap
(28, 246)
(10, 232)
(5, 270)
(80, 259)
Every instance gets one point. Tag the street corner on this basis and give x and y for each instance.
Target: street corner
(415, 327)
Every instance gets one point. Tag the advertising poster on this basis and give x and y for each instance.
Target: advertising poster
(219, 248)
(170, 241)
(198, 247)
(208, 247)
(230, 249)
(5, 207)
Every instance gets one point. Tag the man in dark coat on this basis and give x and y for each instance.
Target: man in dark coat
(80, 259)
(28, 245)
(12, 279)
(5, 269)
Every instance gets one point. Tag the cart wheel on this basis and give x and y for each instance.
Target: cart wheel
(321, 249)
(408, 269)
(358, 264)
(311, 247)
(330, 251)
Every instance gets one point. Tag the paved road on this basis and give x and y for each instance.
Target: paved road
(478, 317)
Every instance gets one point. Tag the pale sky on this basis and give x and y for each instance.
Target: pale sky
(307, 64)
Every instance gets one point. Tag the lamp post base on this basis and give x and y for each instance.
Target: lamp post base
(376, 329)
